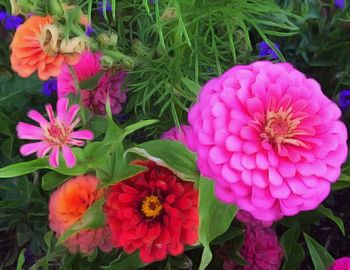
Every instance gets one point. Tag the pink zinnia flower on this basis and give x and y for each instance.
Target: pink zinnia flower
(53, 135)
(260, 249)
(175, 134)
(269, 138)
(109, 85)
(68, 204)
(341, 264)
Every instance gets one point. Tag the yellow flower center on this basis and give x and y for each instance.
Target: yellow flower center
(55, 133)
(151, 206)
(282, 128)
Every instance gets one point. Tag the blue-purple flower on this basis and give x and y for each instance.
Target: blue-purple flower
(265, 50)
(89, 30)
(344, 99)
(10, 22)
(100, 6)
(49, 87)
(339, 4)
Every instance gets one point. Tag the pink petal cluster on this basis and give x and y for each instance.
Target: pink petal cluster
(54, 135)
(67, 206)
(269, 138)
(175, 134)
(109, 85)
(341, 264)
(260, 249)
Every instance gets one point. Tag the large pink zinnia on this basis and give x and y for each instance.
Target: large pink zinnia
(269, 138)
(53, 135)
(109, 85)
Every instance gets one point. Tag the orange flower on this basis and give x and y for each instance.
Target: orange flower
(68, 204)
(36, 45)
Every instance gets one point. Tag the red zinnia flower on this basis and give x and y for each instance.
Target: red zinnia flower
(154, 212)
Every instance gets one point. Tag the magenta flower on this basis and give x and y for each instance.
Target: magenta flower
(109, 85)
(261, 250)
(175, 134)
(341, 264)
(269, 138)
(54, 135)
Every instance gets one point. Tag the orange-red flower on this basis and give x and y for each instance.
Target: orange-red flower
(37, 46)
(154, 212)
(68, 204)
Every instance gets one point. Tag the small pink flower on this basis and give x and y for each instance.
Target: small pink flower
(109, 85)
(269, 138)
(54, 135)
(341, 264)
(175, 134)
(260, 249)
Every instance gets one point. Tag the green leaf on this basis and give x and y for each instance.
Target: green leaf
(125, 262)
(328, 213)
(22, 168)
(52, 180)
(293, 251)
(92, 82)
(21, 260)
(191, 85)
(214, 218)
(172, 155)
(18, 85)
(319, 255)
(93, 218)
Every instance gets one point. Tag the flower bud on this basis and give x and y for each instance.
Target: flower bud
(108, 39)
(55, 7)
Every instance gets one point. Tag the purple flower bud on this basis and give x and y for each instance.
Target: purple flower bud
(339, 4)
(265, 50)
(344, 99)
(49, 87)
(12, 22)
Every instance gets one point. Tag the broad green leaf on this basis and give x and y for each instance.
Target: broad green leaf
(22, 168)
(21, 260)
(125, 262)
(214, 218)
(91, 83)
(172, 155)
(293, 252)
(93, 218)
(319, 255)
(26, 167)
(328, 213)
(17, 85)
(52, 180)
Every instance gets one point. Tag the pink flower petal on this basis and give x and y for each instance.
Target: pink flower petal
(83, 135)
(50, 113)
(54, 157)
(36, 116)
(31, 148)
(68, 156)
(71, 114)
(28, 131)
(62, 107)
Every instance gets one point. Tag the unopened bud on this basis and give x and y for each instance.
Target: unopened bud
(108, 39)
